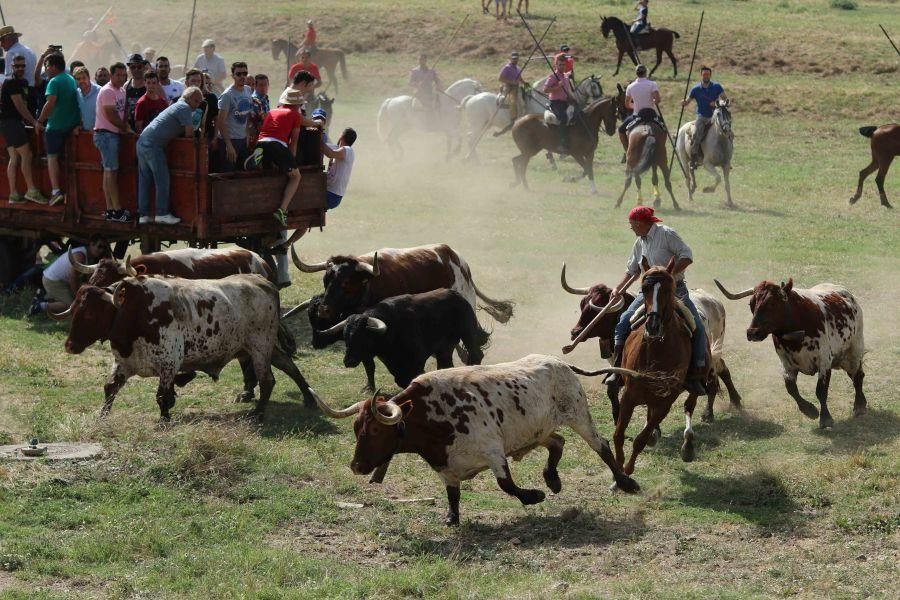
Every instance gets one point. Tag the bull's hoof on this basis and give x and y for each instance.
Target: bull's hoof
(826, 422)
(625, 484)
(452, 519)
(551, 478)
(244, 397)
(708, 416)
(256, 414)
(687, 449)
(165, 417)
(377, 477)
(808, 410)
(736, 402)
(531, 497)
(860, 410)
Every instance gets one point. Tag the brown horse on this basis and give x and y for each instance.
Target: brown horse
(885, 146)
(659, 349)
(661, 39)
(532, 135)
(646, 149)
(325, 58)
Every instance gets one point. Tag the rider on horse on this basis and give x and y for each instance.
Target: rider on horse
(558, 88)
(641, 24)
(511, 78)
(642, 95)
(705, 93)
(425, 84)
(309, 37)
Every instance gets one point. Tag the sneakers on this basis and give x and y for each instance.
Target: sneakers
(254, 160)
(145, 220)
(281, 217)
(121, 216)
(35, 308)
(169, 219)
(57, 198)
(15, 198)
(36, 196)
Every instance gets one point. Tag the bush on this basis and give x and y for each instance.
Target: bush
(844, 4)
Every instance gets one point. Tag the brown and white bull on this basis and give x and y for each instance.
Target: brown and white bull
(468, 419)
(354, 283)
(711, 310)
(814, 331)
(159, 327)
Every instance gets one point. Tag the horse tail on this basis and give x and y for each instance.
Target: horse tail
(647, 153)
(343, 65)
(382, 118)
(675, 33)
(868, 130)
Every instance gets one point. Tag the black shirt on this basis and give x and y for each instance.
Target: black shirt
(132, 95)
(211, 105)
(12, 87)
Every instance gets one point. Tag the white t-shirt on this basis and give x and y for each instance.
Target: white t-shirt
(641, 92)
(339, 171)
(215, 66)
(61, 269)
(172, 90)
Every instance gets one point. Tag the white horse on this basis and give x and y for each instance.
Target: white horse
(399, 114)
(717, 146)
(489, 110)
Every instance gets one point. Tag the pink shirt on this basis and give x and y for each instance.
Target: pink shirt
(109, 96)
(641, 93)
(558, 87)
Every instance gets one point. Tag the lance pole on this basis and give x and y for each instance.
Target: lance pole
(169, 39)
(187, 51)
(119, 43)
(687, 85)
(447, 43)
(885, 35)
(1, 15)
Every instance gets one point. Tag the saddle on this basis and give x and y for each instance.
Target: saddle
(550, 119)
(685, 317)
(646, 116)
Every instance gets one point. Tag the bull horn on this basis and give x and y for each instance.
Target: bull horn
(336, 328)
(395, 416)
(372, 269)
(129, 270)
(730, 296)
(314, 268)
(83, 269)
(617, 306)
(569, 288)
(300, 307)
(376, 325)
(60, 316)
(335, 414)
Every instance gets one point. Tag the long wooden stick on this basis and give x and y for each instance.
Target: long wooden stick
(584, 332)
(448, 42)
(169, 39)
(885, 35)
(687, 85)
(187, 52)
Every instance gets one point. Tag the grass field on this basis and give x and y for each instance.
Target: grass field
(212, 506)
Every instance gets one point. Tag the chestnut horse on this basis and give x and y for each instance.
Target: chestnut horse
(885, 146)
(324, 58)
(646, 149)
(532, 135)
(661, 39)
(659, 349)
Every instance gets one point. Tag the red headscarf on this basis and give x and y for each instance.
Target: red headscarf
(643, 213)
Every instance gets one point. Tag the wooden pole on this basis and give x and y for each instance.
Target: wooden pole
(187, 52)
(448, 42)
(687, 85)
(1, 15)
(882, 30)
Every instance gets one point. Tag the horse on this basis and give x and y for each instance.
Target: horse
(485, 110)
(401, 113)
(532, 135)
(717, 147)
(661, 39)
(646, 149)
(659, 348)
(324, 58)
(885, 146)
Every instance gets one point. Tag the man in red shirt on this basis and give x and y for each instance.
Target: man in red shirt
(150, 104)
(307, 65)
(309, 38)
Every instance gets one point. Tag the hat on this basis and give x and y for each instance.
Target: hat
(8, 30)
(514, 55)
(319, 112)
(564, 48)
(291, 98)
(644, 214)
(136, 59)
(208, 42)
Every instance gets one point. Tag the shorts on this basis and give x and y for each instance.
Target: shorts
(14, 133)
(332, 200)
(108, 145)
(58, 290)
(55, 140)
(280, 156)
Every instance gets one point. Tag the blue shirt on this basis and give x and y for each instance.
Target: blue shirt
(167, 126)
(705, 96)
(88, 104)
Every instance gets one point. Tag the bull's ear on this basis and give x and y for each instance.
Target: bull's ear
(645, 264)
(787, 287)
(141, 269)
(670, 267)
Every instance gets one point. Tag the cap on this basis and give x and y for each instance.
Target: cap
(564, 48)
(643, 213)
(208, 42)
(136, 59)
(319, 112)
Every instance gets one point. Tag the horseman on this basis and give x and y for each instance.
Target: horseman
(642, 96)
(309, 37)
(570, 62)
(641, 24)
(705, 94)
(425, 85)
(511, 80)
(658, 244)
(558, 88)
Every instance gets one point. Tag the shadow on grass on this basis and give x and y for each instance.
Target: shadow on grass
(739, 425)
(282, 419)
(850, 434)
(758, 497)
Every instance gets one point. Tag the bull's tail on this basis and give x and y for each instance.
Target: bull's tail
(502, 310)
(382, 118)
(617, 370)
(647, 153)
(868, 130)
(285, 342)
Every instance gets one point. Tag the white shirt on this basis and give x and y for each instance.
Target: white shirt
(18, 49)
(659, 245)
(641, 93)
(172, 90)
(215, 66)
(339, 171)
(61, 269)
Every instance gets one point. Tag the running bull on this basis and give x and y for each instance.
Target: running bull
(462, 421)
(160, 327)
(814, 331)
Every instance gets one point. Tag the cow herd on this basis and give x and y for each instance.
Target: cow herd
(173, 314)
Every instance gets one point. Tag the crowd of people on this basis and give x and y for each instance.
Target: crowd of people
(243, 128)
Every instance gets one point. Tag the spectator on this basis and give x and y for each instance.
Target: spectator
(302, 82)
(135, 88)
(211, 63)
(87, 91)
(101, 76)
(61, 280)
(173, 122)
(9, 41)
(41, 79)
(171, 88)
(320, 115)
(74, 65)
(149, 54)
(235, 106)
(13, 117)
(109, 125)
(150, 104)
(340, 164)
(59, 117)
(260, 99)
(307, 65)
(209, 106)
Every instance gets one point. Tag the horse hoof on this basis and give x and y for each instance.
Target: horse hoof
(809, 411)
(653, 439)
(687, 449)
(852, 200)
(676, 206)
(826, 422)
(707, 417)
(859, 411)
(244, 397)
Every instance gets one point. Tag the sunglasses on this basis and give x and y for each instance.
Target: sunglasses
(241, 74)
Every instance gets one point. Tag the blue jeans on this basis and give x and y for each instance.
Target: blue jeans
(153, 168)
(333, 200)
(698, 341)
(108, 145)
